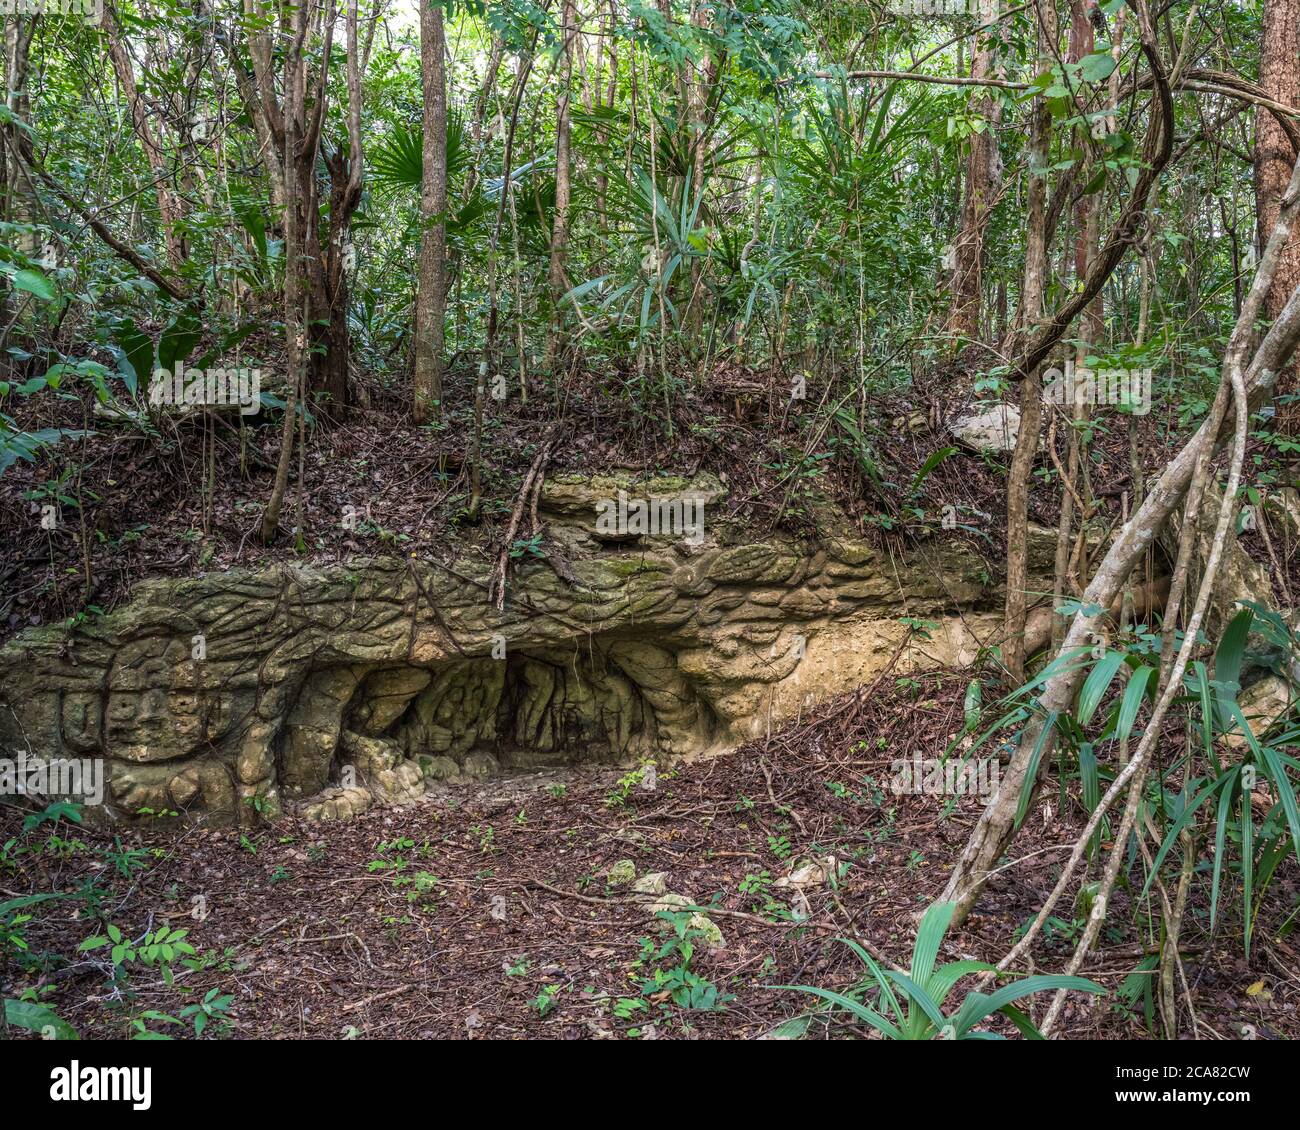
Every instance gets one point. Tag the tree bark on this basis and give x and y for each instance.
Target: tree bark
(295, 218)
(323, 278)
(968, 273)
(17, 205)
(431, 293)
(563, 187)
(170, 209)
(1031, 388)
(1279, 76)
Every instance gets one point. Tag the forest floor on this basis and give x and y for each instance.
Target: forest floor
(489, 912)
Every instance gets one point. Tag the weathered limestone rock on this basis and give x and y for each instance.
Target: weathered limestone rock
(988, 430)
(338, 804)
(653, 883)
(1262, 703)
(621, 873)
(348, 686)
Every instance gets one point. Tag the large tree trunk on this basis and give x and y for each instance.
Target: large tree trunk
(431, 294)
(1279, 75)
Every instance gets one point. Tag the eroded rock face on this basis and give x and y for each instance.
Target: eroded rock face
(988, 430)
(226, 696)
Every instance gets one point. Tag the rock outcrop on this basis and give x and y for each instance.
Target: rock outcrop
(226, 696)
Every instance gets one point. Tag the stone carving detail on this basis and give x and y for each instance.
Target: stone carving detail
(346, 686)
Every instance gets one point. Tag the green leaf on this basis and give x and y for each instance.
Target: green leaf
(37, 1018)
(972, 705)
(179, 337)
(23, 901)
(1031, 772)
(929, 937)
(977, 1006)
(1096, 67)
(886, 990)
(1098, 682)
(1200, 682)
(920, 998)
(856, 1008)
(1133, 695)
(35, 283)
(932, 461)
(133, 351)
(1227, 659)
(1286, 793)
(1182, 821)
(946, 977)
(1023, 1024)
(1220, 830)
(1247, 870)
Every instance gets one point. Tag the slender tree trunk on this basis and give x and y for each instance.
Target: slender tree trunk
(295, 318)
(487, 357)
(701, 125)
(431, 295)
(329, 365)
(611, 93)
(170, 209)
(1279, 75)
(1082, 42)
(563, 188)
(1031, 388)
(481, 104)
(1073, 489)
(17, 203)
(968, 272)
(323, 280)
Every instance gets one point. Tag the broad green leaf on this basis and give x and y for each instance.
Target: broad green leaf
(37, 1018)
(1096, 685)
(929, 937)
(1133, 695)
(33, 282)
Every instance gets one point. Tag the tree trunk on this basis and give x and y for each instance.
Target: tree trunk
(968, 276)
(1279, 75)
(431, 294)
(295, 328)
(1031, 388)
(169, 204)
(563, 190)
(481, 104)
(17, 204)
(330, 366)
(323, 277)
